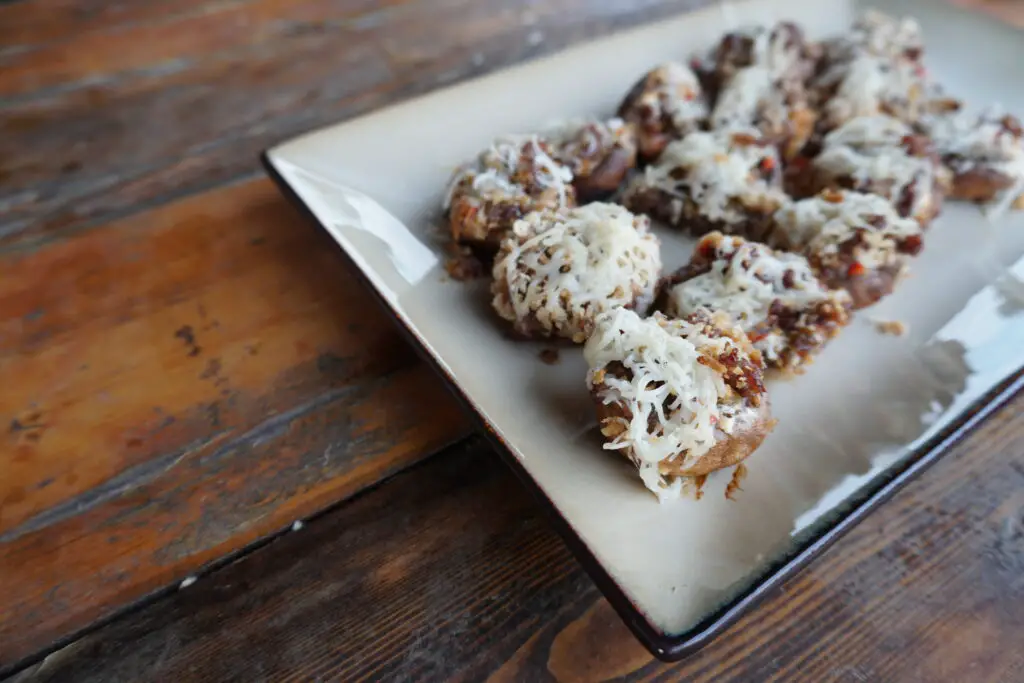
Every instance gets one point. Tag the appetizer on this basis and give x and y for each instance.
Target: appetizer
(775, 297)
(779, 110)
(517, 174)
(556, 272)
(882, 155)
(729, 181)
(598, 153)
(665, 105)
(782, 50)
(679, 398)
(853, 241)
(983, 153)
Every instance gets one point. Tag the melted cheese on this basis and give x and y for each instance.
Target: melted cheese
(561, 270)
(869, 85)
(492, 175)
(674, 90)
(716, 174)
(666, 379)
(741, 97)
(968, 141)
(877, 34)
(746, 285)
(819, 226)
(868, 150)
(882, 34)
(769, 51)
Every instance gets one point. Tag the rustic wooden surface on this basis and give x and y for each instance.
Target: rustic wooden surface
(449, 572)
(182, 378)
(182, 381)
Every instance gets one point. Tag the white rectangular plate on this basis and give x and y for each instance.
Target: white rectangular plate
(868, 415)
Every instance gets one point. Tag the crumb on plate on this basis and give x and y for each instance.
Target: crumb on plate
(548, 356)
(894, 327)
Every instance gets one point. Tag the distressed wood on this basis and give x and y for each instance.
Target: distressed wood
(449, 572)
(178, 385)
(108, 106)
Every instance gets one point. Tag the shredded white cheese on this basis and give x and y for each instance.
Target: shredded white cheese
(869, 85)
(877, 34)
(744, 280)
(869, 150)
(819, 226)
(664, 378)
(673, 90)
(494, 173)
(559, 271)
(769, 50)
(740, 98)
(968, 141)
(719, 175)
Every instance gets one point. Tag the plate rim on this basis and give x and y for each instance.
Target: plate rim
(668, 647)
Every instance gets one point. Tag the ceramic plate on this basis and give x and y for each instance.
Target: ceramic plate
(872, 412)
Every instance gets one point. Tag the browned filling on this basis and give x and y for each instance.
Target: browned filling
(600, 159)
(655, 126)
(482, 223)
(805, 329)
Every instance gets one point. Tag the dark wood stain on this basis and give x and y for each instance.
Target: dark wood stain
(185, 334)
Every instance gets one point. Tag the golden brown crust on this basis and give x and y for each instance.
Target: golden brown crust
(729, 449)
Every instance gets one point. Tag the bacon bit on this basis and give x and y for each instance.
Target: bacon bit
(713, 420)
(738, 475)
(912, 244)
(744, 139)
(855, 270)
(799, 163)
(920, 71)
(766, 164)
(708, 249)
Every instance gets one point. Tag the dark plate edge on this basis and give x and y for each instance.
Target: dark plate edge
(671, 648)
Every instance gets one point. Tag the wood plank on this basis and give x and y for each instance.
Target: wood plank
(141, 104)
(449, 572)
(178, 385)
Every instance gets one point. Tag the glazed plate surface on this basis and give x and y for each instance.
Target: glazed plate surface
(873, 411)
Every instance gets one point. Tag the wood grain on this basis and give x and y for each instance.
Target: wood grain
(448, 572)
(179, 385)
(105, 107)
(183, 383)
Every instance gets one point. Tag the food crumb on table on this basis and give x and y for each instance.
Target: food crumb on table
(894, 327)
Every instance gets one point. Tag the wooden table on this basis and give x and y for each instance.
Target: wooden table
(187, 368)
